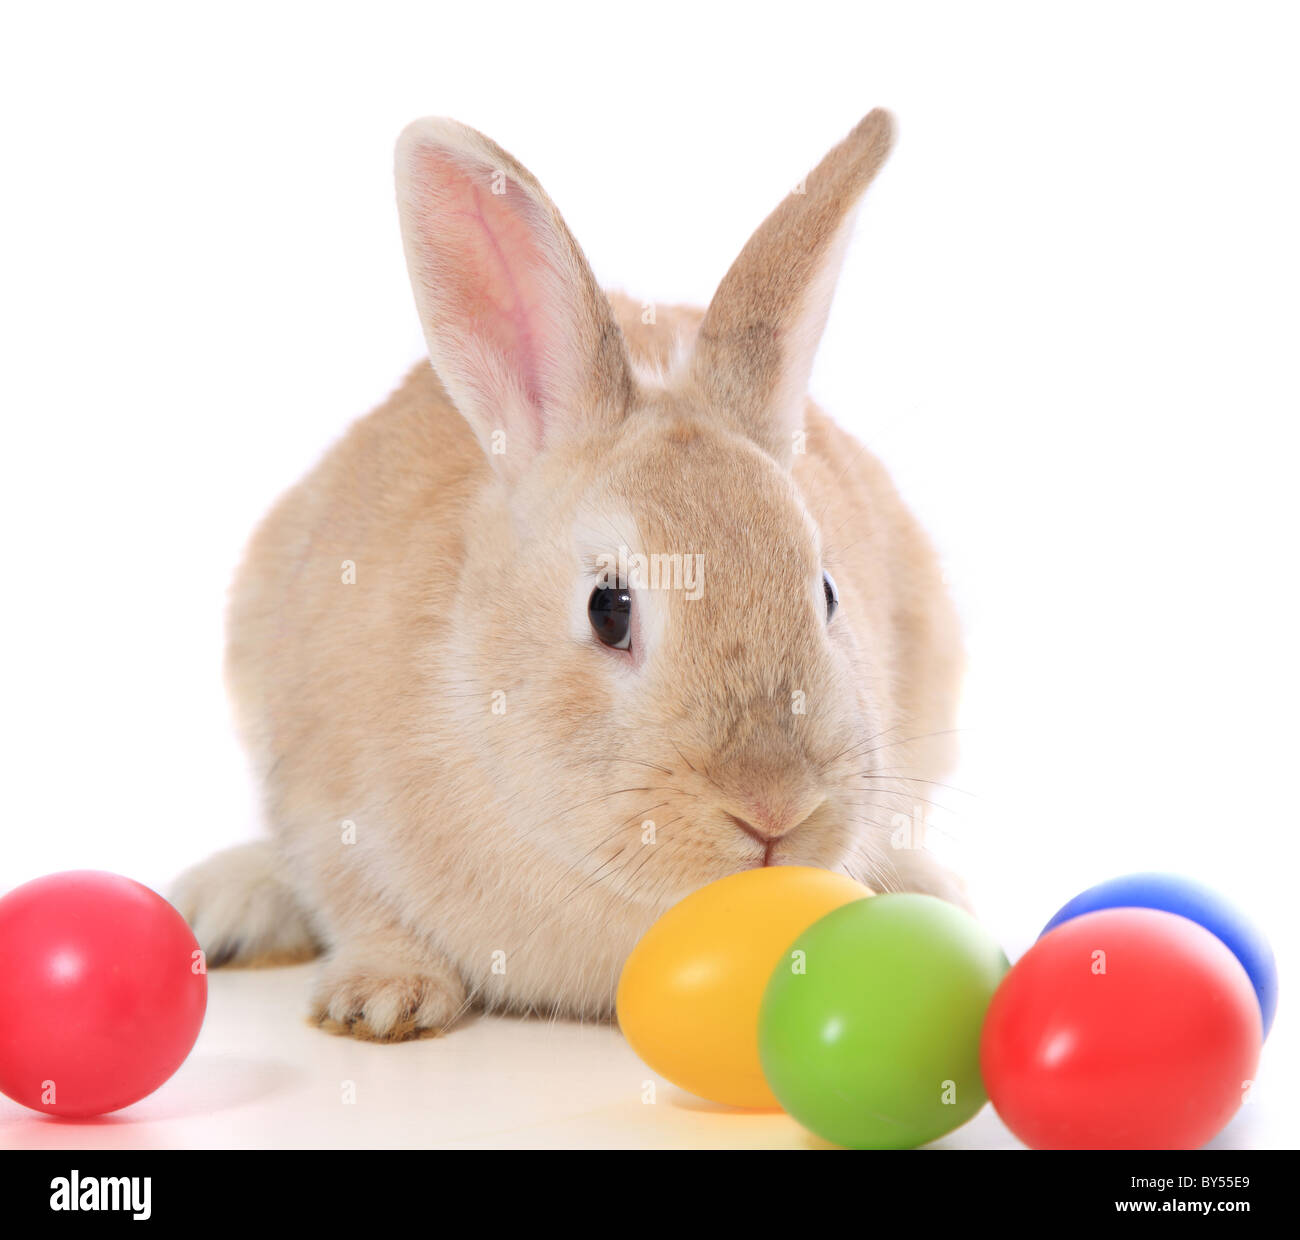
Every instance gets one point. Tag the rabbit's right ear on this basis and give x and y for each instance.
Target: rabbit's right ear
(520, 333)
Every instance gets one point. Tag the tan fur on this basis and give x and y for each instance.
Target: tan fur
(499, 857)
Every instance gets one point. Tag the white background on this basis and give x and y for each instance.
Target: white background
(1068, 325)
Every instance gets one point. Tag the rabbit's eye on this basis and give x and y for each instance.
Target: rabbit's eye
(832, 595)
(610, 612)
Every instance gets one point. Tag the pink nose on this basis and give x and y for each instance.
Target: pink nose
(767, 826)
(751, 830)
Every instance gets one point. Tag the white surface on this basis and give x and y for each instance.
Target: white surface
(262, 1077)
(1068, 326)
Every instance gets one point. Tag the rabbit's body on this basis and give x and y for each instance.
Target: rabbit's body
(470, 798)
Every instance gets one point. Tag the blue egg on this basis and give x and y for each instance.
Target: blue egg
(1197, 903)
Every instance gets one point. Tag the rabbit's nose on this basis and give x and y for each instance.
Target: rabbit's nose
(750, 830)
(768, 824)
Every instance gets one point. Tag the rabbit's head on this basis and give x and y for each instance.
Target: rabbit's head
(671, 677)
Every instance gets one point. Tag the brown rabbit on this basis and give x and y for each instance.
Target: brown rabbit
(589, 613)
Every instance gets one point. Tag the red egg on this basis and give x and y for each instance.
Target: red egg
(102, 992)
(1129, 1028)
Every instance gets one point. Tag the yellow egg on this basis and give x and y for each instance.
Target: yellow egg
(690, 991)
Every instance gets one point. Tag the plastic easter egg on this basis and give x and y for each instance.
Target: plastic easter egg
(870, 1026)
(102, 992)
(1127, 1028)
(1200, 904)
(689, 993)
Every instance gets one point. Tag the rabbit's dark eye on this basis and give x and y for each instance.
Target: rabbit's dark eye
(610, 613)
(832, 595)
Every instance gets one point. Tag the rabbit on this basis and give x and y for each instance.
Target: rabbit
(493, 746)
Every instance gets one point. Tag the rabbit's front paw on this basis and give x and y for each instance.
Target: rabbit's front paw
(242, 912)
(917, 870)
(377, 1000)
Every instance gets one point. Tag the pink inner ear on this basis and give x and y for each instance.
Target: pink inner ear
(486, 268)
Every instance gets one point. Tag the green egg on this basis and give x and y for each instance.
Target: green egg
(869, 1033)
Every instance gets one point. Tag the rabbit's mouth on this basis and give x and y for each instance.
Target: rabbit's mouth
(769, 842)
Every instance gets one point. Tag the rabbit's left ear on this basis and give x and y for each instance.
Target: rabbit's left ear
(521, 335)
(756, 343)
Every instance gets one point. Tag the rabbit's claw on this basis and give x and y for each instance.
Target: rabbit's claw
(378, 1001)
